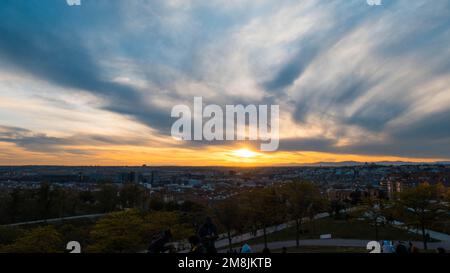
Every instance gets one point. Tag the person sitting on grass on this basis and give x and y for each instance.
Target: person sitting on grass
(266, 250)
(196, 245)
(160, 242)
(412, 248)
(440, 250)
(401, 248)
(246, 248)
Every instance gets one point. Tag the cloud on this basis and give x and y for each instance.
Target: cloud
(56, 51)
(38, 142)
(356, 79)
(374, 79)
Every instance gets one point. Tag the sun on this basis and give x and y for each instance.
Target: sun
(244, 153)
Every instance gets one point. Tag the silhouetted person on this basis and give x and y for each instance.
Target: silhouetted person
(159, 241)
(387, 247)
(246, 248)
(401, 248)
(266, 251)
(441, 250)
(208, 236)
(412, 248)
(196, 245)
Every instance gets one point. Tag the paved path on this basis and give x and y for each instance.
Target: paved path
(55, 220)
(248, 236)
(223, 241)
(433, 234)
(333, 242)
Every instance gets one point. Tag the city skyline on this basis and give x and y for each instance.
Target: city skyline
(95, 84)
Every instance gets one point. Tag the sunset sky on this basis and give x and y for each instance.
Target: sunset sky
(95, 84)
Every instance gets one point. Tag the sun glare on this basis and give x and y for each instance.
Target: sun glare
(245, 153)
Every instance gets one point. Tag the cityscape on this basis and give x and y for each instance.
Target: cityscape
(209, 184)
(78, 199)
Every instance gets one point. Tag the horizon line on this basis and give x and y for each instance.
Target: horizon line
(315, 164)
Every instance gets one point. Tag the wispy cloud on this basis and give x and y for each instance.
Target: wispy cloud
(349, 78)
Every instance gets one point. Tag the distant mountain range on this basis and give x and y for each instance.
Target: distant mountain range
(356, 163)
(316, 164)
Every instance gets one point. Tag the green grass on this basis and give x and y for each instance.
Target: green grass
(334, 249)
(323, 249)
(442, 226)
(341, 229)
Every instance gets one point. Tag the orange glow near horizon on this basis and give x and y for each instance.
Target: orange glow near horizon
(245, 153)
(176, 156)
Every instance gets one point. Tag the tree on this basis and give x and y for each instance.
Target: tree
(131, 196)
(39, 240)
(421, 206)
(335, 207)
(263, 208)
(9, 235)
(14, 205)
(375, 211)
(107, 197)
(59, 201)
(156, 203)
(317, 204)
(303, 200)
(130, 231)
(159, 221)
(72, 202)
(230, 216)
(194, 213)
(44, 200)
(75, 232)
(118, 232)
(447, 196)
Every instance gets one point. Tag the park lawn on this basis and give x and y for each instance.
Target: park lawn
(323, 249)
(335, 249)
(340, 229)
(441, 226)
